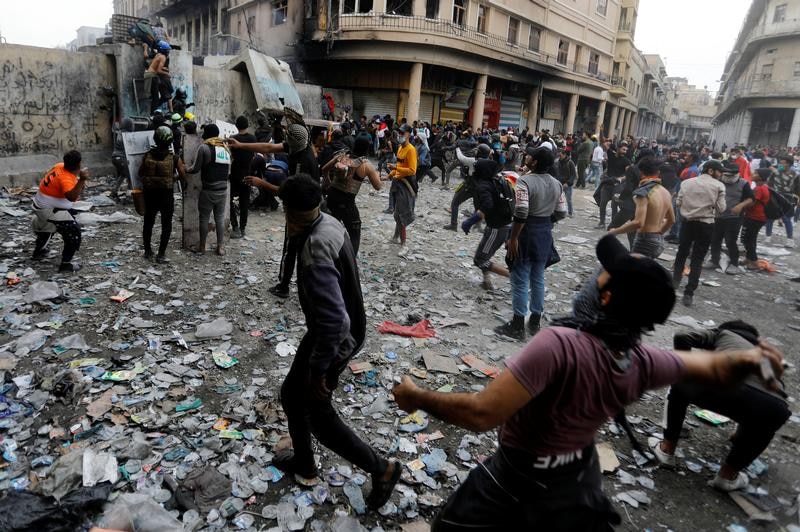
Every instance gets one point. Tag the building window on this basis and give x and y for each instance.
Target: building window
(780, 13)
(348, 6)
(364, 6)
(513, 30)
(797, 69)
(459, 12)
(594, 63)
(399, 7)
(483, 11)
(431, 8)
(766, 72)
(279, 9)
(563, 52)
(534, 39)
(602, 7)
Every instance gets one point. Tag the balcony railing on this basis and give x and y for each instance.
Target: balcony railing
(762, 88)
(776, 29)
(340, 25)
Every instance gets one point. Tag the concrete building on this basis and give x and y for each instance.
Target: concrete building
(86, 36)
(759, 99)
(561, 65)
(690, 110)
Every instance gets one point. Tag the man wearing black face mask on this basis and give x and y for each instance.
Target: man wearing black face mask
(559, 389)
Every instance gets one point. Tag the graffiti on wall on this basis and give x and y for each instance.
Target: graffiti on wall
(51, 106)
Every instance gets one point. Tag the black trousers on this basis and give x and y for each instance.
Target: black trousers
(726, 229)
(343, 207)
(288, 258)
(606, 196)
(158, 201)
(758, 414)
(437, 161)
(462, 194)
(505, 493)
(425, 170)
(624, 215)
(750, 230)
(241, 191)
(71, 233)
(582, 166)
(695, 238)
(307, 415)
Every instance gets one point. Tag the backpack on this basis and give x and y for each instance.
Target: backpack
(778, 206)
(503, 199)
(142, 31)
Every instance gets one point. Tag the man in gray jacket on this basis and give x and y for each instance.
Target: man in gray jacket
(528, 248)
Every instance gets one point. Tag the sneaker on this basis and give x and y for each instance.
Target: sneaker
(487, 282)
(665, 459)
(687, 300)
(280, 291)
(733, 270)
(789, 243)
(161, 259)
(534, 323)
(394, 240)
(148, 255)
(235, 233)
(600, 225)
(711, 265)
(514, 329)
(739, 483)
(403, 251)
(69, 267)
(388, 211)
(449, 227)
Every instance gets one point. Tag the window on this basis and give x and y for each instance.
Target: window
(534, 39)
(483, 12)
(563, 52)
(578, 54)
(364, 6)
(602, 7)
(766, 72)
(594, 63)
(348, 6)
(780, 13)
(513, 30)
(399, 7)
(459, 12)
(279, 10)
(431, 8)
(797, 69)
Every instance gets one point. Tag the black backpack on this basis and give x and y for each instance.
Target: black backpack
(778, 206)
(503, 199)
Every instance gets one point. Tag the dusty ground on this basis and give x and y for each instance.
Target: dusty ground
(437, 280)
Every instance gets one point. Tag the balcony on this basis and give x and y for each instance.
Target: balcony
(382, 26)
(762, 88)
(619, 86)
(787, 28)
(170, 8)
(625, 31)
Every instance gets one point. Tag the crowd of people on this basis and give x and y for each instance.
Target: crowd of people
(545, 472)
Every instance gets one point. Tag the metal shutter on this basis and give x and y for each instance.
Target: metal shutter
(374, 102)
(511, 112)
(426, 107)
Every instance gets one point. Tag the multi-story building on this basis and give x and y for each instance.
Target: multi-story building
(759, 99)
(544, 64)
(561, 65)
(690, 110)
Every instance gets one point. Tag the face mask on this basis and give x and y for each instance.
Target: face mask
(401, 140)
(734, 157)
(781, 168)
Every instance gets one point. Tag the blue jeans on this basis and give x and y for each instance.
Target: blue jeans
(568, 195)
(787, 223)
(527, 271)
(595, 171)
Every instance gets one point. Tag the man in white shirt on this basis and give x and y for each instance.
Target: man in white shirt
(596, 165)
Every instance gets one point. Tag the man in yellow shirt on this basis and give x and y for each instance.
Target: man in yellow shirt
(404, 188)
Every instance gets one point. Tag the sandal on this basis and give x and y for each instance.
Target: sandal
(305, 476)
(382, 489)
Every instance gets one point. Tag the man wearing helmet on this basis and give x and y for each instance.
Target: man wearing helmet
(157, 78)
(157, 174)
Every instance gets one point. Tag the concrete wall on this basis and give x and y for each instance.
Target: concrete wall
(49, 105)
(221, 95)
(310, 96)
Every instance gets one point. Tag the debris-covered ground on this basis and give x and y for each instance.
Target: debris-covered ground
(165, 378)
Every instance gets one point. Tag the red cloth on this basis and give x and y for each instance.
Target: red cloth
(756, 210)
(422, 329)
(744, 168)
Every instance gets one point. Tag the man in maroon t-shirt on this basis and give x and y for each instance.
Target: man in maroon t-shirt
(559, 389)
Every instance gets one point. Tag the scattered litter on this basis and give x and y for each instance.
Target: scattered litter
(421, 329)
(608, 458)
(434, 362)
(711, 417)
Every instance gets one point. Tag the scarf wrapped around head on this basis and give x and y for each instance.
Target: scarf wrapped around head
(588, 315)
(299, 221)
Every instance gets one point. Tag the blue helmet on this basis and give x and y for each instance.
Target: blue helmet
(163, 46)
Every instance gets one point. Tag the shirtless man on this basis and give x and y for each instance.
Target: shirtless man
(654, 215)
(156, 75)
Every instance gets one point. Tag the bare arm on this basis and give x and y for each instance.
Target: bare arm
(669, 219)
(739, 207)
(260, 183)
(258, 147)
(75, 193)
(638, 219)
(372, 174)
(478, 412)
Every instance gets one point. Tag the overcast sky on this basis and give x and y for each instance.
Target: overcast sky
(692, 36)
